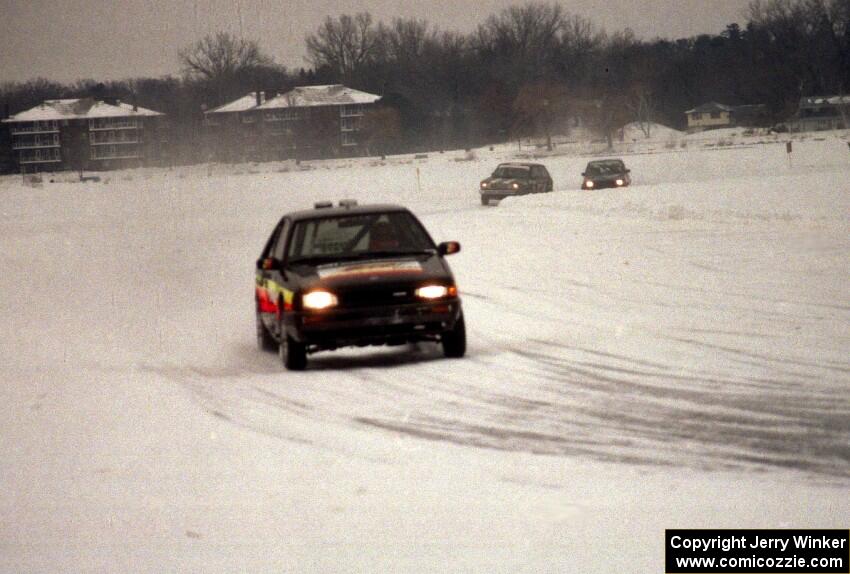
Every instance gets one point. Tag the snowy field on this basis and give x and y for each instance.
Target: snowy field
(671, 355)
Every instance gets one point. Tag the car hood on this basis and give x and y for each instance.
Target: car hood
(606, 177)
(502, 182)
(376, 272)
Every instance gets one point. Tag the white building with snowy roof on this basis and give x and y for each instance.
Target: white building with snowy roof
(84, 133)
(817, 113)
(713, 115)
(305, 122)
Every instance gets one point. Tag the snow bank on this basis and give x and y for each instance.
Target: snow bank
(657, 132)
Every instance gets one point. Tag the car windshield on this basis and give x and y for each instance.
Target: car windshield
(352, 236)
(605, 168)
(511, 172)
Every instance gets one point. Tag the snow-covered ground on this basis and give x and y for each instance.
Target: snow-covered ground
(671, 355)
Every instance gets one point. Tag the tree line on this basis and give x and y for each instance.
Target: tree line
(530, 69)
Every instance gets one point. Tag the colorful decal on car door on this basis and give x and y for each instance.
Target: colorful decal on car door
(268, 294)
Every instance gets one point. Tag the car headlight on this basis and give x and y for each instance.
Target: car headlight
(483, 185)
(619, 182)
(435, 291)
(515, 185)
(588, 183)
(319, 300)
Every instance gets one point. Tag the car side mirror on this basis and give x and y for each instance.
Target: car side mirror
(268, 263)
(628, 171)
(583, 174)
(448, 247)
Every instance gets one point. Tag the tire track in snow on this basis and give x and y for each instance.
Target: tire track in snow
(546, 397)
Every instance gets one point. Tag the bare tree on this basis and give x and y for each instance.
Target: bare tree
(523, 39)
(381, 130)
(344, 45)
(641, 104)
(405, 41)
(221, 56)
(538, 109)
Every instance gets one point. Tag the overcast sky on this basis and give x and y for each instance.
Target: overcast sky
(65, 40)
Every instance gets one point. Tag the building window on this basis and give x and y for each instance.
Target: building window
(352, 110)
(37, 140)
(248, 119)
(113, 123)
(45, 126)
(114, 151)
(114, 137)
(282, 114)
(349, 124)
(46, 155)
(349, 139)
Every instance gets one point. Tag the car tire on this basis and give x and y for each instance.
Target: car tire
(485, 200)
(293, 355)
(454, 341)
(265, 341)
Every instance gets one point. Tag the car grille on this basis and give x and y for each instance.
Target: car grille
(377, 296)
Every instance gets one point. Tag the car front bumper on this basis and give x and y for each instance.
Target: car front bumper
(362, 326)
(500, 193)
(604, 184)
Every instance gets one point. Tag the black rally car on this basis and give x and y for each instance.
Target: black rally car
(515, 179)
(355, 275)
(606, 173)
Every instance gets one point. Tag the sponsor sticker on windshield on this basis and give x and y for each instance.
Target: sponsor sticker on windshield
(369, 268)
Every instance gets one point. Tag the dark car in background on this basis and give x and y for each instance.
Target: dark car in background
(515, 179)
(605, 173)
(352, 275)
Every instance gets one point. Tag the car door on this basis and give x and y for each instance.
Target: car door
(538, 180)
(547, 179)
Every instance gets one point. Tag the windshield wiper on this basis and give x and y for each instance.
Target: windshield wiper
(316, 259)
(398, 252)
(313, 259)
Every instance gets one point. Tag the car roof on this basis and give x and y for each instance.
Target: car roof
(519, 164)
(612, 160)
(337, 211)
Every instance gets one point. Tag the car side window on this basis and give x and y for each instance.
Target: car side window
(270, 243)
(280, 241)
(535, 173)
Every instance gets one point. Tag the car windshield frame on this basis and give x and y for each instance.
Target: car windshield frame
(317, 240)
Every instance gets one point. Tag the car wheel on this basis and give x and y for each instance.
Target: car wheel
(454, 341)
(485, 200)
(265, 341)
(292, 354)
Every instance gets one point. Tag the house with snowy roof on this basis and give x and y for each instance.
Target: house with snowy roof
(231, 130)
(817, 113)
(305, 122)
(317, 121)
(713, 115)
(85, 133)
